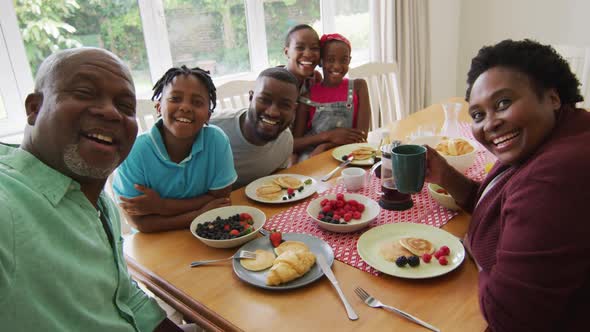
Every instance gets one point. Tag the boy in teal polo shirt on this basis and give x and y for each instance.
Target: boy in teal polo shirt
(61, 259)
(182, 167)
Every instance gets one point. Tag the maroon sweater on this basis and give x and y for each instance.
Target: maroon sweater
(530, 234)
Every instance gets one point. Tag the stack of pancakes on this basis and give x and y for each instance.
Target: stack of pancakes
(363, 153)
(274, 190)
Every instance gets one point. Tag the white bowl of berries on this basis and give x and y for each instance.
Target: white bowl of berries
(343, 213)
(228, 226)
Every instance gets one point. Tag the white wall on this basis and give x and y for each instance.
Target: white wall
(486, 22)
(444, 46)
(459, 28)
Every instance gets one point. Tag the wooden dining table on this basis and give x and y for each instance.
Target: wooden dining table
(216, 299)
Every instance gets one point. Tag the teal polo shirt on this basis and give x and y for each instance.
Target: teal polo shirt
(209, 166)
(58, 270)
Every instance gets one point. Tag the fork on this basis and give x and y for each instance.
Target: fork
(239, 254)
(373, 302)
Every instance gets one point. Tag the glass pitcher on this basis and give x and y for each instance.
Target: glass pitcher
(389, 197)
(450, 127)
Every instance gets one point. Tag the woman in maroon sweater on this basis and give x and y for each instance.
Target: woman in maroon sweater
(530, 225)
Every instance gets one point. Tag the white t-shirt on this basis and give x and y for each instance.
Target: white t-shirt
(252, 161)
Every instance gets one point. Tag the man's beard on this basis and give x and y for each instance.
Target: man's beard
(77, 165)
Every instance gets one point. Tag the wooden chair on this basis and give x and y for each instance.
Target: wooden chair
(384, 92)
(579, 61)
(234, 94)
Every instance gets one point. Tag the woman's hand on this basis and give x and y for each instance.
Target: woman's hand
(148, 203)
(342, 136)
(436, 167)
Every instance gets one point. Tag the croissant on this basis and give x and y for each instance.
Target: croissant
(288, 266)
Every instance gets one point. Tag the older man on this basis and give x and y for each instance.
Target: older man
(259, 136)
(61, 259)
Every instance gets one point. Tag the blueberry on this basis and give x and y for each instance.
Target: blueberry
(413, 261)
(330, 213)
(344, 158)
(284, 198)
(401, 261)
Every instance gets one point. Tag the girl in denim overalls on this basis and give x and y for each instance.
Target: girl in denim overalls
(337, 111)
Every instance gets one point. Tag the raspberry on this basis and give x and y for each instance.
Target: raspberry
(340, 203)
(290, 191)
(336, 217)
(340, 197)
(443, 260)
(413, 261)
(438, 254)
(401, 261)
(327, 208)
(445, 250)
(426, 258)
(356, 215)
(360, 207)
(347, 216)
(353, 202)
(324, 202)
(321, 216)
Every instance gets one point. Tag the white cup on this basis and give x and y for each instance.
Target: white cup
(354, 178)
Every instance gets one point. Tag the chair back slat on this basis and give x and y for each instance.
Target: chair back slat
(384, 91)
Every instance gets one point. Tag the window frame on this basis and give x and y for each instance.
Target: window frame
(18, 80)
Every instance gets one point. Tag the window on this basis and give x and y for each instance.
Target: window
(217, 41)
(47, 26)
(280, 16)
(234, 39)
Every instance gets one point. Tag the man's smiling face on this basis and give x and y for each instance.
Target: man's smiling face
(272, 109)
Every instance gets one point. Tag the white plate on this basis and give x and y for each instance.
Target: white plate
(348, 148)
(308, 189)
(258, 278)
(371, 241)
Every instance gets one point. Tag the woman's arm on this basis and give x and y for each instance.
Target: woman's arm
(364, 110)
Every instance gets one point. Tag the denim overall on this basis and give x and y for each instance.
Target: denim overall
(332, 115)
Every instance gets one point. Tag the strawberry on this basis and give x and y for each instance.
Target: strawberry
(245, 216)
(226, 227)
(275, 238)
(234, 232)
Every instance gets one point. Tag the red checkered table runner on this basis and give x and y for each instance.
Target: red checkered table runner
(425, 211)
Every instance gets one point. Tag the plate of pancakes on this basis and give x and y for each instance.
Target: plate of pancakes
(364, 153)
(256, 273)
(381, 246)
(275, 188)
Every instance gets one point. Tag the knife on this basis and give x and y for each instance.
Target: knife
(344, 163)
(330, 275)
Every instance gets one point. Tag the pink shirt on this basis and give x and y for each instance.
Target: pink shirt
(324, 94)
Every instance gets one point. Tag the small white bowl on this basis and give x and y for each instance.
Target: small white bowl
(445, 200)
(227, 211)
(371, 212)
(462, 162)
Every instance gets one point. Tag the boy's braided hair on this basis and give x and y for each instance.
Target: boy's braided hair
(200, 74)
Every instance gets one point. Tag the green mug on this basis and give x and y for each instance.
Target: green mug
(408, 167)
